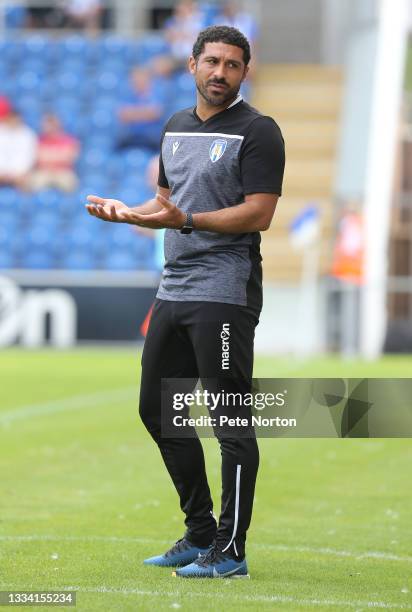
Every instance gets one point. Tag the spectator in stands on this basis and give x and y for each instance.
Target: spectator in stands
(231, 15)
(141, 114)
(18, 145)
(57, 153)
(44, 16)
(181, 31)
(84, 14)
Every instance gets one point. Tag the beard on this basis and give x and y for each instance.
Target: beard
(219, 98)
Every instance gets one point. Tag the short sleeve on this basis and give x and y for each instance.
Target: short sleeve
(262, 158)
(162, 180)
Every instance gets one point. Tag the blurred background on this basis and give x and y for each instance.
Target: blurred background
(85, 88)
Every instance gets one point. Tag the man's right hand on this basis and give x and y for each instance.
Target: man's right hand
(107, 209)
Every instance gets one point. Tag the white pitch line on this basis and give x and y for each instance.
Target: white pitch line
(338, 553)
(75, 402)
(370, 554)
(225, 596)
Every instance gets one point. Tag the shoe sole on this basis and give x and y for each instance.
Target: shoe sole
(231, 577)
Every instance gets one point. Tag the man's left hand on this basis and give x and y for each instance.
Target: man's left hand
(170, 217)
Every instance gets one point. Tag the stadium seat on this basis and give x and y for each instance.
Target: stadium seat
(75, 46)
(108, 81)
(78, 260)
(10, 51)
(33, 64)
(9, 198)
(37, 259)
(27, 82)
(7, 260)
(121, 260)
(29, 104)
(38, 237)
(36, 47)
(103, 119)
(121, 237)
(69, 81)
(149, 47)
(47, 199)
(14, 17)
(136, 159)
(143, 250)
(7, 231)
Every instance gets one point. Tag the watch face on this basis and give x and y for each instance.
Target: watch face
(186, 229)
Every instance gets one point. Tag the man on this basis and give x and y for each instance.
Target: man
(18, 144)
(57, 153)
(220, 176)
(141, 112)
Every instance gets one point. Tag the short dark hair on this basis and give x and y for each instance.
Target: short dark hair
(224, 34)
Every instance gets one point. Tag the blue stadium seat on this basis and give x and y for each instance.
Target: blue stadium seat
(33, 64)
(113, 64)
(38, 237)
(80, 237)
(47, 199)
(108, 81)
(28, 82)
(129, 196)
(69, 206)
(10, 219)
(94, 159)
(36, 46)
(120, 260)
(7, 234)
(9, 198)
(78, 260)
(67, 103)
(10, 51)
(37, 259)
(45, 220)
(69, 81)
(102, 119)
(112, 47)
(14, 17)
(147, 48)
(29, 104)
(121, 237)
(73, 64)
(75, 46)
(24, 204)
(184, 83)
(33, 119)
(144, 250)
(7, 261)
(136, 159)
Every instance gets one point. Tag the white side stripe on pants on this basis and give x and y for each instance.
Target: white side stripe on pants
(238, 469)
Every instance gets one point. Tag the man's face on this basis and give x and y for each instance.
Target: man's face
(219, 72)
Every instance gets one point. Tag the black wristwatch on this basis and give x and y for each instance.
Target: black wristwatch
(188, 226)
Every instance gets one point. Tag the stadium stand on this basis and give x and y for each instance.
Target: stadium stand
(79, 80)
(305, 100)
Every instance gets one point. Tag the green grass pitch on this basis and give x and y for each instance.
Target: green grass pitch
(85, 497)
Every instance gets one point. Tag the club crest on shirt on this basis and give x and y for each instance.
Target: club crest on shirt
(217, 149)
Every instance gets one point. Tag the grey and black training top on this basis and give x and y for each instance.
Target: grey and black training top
(209, 165)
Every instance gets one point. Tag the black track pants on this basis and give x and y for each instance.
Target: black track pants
(184, 341)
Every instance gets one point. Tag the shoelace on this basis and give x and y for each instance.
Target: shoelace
(214, 555)
(178, 547)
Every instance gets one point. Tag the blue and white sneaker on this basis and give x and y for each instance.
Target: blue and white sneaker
(181, 553)
(214, 564)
